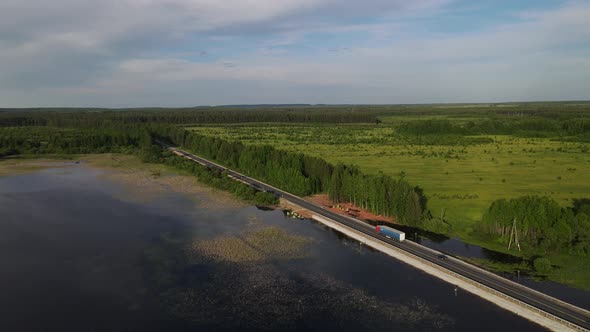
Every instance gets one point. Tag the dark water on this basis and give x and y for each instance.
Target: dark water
(77, 258)
(456, 247)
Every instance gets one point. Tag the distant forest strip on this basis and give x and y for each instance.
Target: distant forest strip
(77, 117)
(100, 117)
(564, 121)
(550, 110)
(527, 127)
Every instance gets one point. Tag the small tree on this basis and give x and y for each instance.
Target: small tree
(413, 209)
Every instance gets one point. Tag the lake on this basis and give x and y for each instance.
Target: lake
(81, 252)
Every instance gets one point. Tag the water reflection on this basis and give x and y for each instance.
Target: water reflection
(76, 258)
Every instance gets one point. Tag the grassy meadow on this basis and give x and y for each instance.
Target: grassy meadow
(460, 179)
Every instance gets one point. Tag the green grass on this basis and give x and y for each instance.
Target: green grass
(570, 270)
(524, 267)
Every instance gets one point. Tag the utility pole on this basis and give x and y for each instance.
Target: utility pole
(514, 234)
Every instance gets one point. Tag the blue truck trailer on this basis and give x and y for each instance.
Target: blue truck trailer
(391, 233)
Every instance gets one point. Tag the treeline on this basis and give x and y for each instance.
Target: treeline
(541, 223)
(305, 175)
(558, 111)
(379, 194)
(302, 175)
(528, 127)
(551, 110)
(41, 140)
(104, 118)
(213, 178)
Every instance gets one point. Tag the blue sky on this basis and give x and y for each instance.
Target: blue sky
(131, 53)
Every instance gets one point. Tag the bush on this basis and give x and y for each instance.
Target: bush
(542, 265)
(263, 198)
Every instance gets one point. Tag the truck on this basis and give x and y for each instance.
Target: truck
(391, 233)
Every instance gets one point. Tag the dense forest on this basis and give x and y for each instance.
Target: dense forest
(569, 117)
(101, 117)
(379, 194)
(525, 127)
(42, 140)
(540, 223)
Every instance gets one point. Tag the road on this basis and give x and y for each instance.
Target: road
(572, 314)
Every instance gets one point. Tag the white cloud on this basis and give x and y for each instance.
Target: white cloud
(117, 49)
(40, 38)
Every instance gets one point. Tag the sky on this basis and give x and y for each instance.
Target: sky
(174, 53)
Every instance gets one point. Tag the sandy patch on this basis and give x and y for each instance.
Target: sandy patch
(347, 209)
(26, 166)
(145, 182)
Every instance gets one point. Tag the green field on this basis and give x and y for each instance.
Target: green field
(462, 180)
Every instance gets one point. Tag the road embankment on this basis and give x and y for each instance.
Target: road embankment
(463, 284)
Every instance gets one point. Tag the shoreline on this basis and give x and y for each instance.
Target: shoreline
(140, 181)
